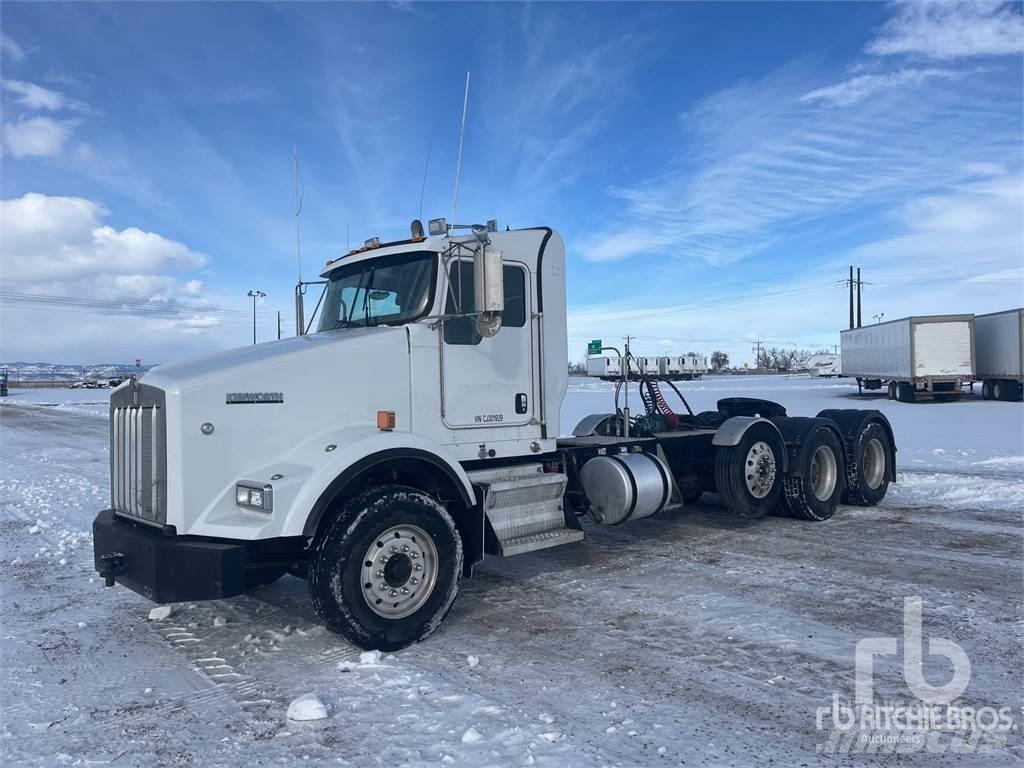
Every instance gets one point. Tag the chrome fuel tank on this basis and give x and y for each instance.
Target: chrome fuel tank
(625, 486)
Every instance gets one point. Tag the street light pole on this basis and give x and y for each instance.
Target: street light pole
(255, 295)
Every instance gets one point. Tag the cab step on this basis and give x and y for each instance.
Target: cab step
(524, 506)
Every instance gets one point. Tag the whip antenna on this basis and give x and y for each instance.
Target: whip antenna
(300, 193)
(423, 188)
(458, 164)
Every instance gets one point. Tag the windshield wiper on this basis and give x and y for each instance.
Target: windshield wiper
(366, 298)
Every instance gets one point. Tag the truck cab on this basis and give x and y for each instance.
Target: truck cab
(415, 431)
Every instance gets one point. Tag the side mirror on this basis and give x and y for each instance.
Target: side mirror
(488, 290)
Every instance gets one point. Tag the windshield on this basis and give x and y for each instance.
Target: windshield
(391, 290)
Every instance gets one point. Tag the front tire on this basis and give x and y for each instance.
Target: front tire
(387, 570)
(815, 493)
(748, 476)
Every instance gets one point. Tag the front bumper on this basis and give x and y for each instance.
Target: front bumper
(166, 569)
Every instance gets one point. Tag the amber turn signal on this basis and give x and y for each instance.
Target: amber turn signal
(386, 420)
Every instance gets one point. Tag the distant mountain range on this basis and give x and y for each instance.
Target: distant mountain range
(20, 371)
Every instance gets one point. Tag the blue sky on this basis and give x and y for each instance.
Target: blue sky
(713, 167)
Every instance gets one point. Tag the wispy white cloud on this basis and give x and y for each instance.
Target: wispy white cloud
(36, 136)
(9, 47)
(36, 97)
(761, 161)
(860, 87)
(952, 30)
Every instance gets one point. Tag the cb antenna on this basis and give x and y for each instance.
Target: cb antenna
(426, 168)
(458, 164)
(300, 193)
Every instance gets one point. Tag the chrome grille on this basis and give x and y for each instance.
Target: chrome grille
(138, 453)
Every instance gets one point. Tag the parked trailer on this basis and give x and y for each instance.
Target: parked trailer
(604, 367)
(999, 355)
(823, 366)
(925, 354)
(385, 484)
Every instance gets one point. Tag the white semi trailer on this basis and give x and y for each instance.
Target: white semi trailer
(926, 354)
(1000, 354)
(383, 456)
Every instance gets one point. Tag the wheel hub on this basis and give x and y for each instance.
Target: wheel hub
(759, 469)
(823, 474)
(399, 571)
(874, 463)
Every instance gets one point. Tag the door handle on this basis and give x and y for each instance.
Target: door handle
(521, 402)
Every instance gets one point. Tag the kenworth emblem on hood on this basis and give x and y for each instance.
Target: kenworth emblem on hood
(241, 398)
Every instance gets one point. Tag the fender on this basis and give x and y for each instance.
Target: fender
(732, 431)
(302, 477)
(353, 457)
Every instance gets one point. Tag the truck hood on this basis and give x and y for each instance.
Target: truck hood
(295, 354)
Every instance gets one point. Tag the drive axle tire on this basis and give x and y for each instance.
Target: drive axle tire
(867, 474)
(748, 476)
(891, 390)
(905, 392)
(814, 494)
(387, 569)
(999, 390)
(986, 390)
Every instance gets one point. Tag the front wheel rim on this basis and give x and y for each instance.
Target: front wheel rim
(399, 571)
(874, 463)
(823, 473)
(759, 469)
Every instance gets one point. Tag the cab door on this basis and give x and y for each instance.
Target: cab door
(488, 382)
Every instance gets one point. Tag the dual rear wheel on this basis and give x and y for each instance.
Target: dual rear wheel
(752, 480)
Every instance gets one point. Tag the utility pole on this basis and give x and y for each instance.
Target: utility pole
(850, 283)
(279, 325)
(756, 349)
(859, 284)
(255, 295)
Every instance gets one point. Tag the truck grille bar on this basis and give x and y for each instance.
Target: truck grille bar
(138, 458)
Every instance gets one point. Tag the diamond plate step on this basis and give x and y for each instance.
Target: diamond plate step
(523, 504)
(539, 541)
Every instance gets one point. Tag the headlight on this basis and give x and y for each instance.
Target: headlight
(257, 496)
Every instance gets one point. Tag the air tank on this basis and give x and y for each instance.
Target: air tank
(625, 486)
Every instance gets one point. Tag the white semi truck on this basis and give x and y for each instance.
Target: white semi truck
(1000, 354)
(416, 431)
(922, 355)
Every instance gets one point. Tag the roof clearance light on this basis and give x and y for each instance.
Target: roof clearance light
(373, 242)
(437, 227)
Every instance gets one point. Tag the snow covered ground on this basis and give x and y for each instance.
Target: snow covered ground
(693, 638)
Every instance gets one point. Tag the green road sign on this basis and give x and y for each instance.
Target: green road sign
(594, 347)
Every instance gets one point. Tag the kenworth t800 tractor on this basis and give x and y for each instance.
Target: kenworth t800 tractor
(416, 431)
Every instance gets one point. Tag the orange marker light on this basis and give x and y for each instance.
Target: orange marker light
(385, 420)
